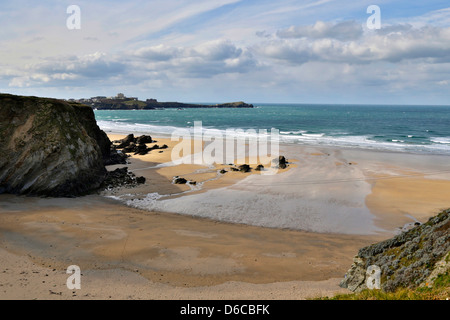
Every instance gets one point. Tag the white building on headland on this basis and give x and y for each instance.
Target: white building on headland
(121, 96)
(98, 98)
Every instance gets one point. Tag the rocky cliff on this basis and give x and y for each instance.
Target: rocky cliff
(50, 147)
(412, 259)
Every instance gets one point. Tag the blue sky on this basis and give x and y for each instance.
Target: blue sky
(314, 51)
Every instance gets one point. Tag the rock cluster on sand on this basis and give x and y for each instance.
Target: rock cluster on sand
(131, 144)
(279, 163)
(121, 177)
(179, 180)
(51, 147)
(409, 260)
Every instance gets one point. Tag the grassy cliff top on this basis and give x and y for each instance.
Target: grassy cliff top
(414, 264)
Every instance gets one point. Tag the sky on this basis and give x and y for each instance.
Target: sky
(257, 51)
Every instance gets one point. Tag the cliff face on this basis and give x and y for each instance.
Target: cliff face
(412, 259)
(50, 147)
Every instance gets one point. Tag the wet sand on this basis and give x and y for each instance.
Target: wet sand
(156, 167)
(130, 253)
(168, 253)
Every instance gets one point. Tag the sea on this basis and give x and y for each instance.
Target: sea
(400, 128)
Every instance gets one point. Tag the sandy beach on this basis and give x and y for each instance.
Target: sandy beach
(291, 235)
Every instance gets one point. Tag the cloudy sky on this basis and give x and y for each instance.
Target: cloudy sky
(310, 51)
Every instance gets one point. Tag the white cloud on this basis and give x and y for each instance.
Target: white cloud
(218, 50)
(393, 43)
(201, 61)
(154, 63)
(346, 30)
(64, 70)
(289, 48)
(157, 53)
(95, 65)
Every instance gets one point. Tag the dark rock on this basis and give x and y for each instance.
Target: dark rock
(140, 180)
(116, 157)
(141, 149)
(193, 183)
(260, 167)
(155, 147)
(130, 148)
(92, 129)
(50, 147)
(223, 171)
(280, 162)
(116, 178)
(125, 142)
(138, 146)
(144, 139)
(180, 181)
(120, 177)
(234, 169)
(244, 168)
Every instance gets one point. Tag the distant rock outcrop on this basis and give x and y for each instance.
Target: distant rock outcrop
(409, 260)
(120, 104)
(51, 147)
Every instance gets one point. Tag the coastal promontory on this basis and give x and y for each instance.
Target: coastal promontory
(121, 102)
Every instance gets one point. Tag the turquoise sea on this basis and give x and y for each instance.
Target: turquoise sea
(417, 129)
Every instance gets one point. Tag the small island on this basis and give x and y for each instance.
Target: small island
(121, 102)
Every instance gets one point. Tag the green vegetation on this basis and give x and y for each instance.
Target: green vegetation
(135, 104)
(440, 290)
(414, 265)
